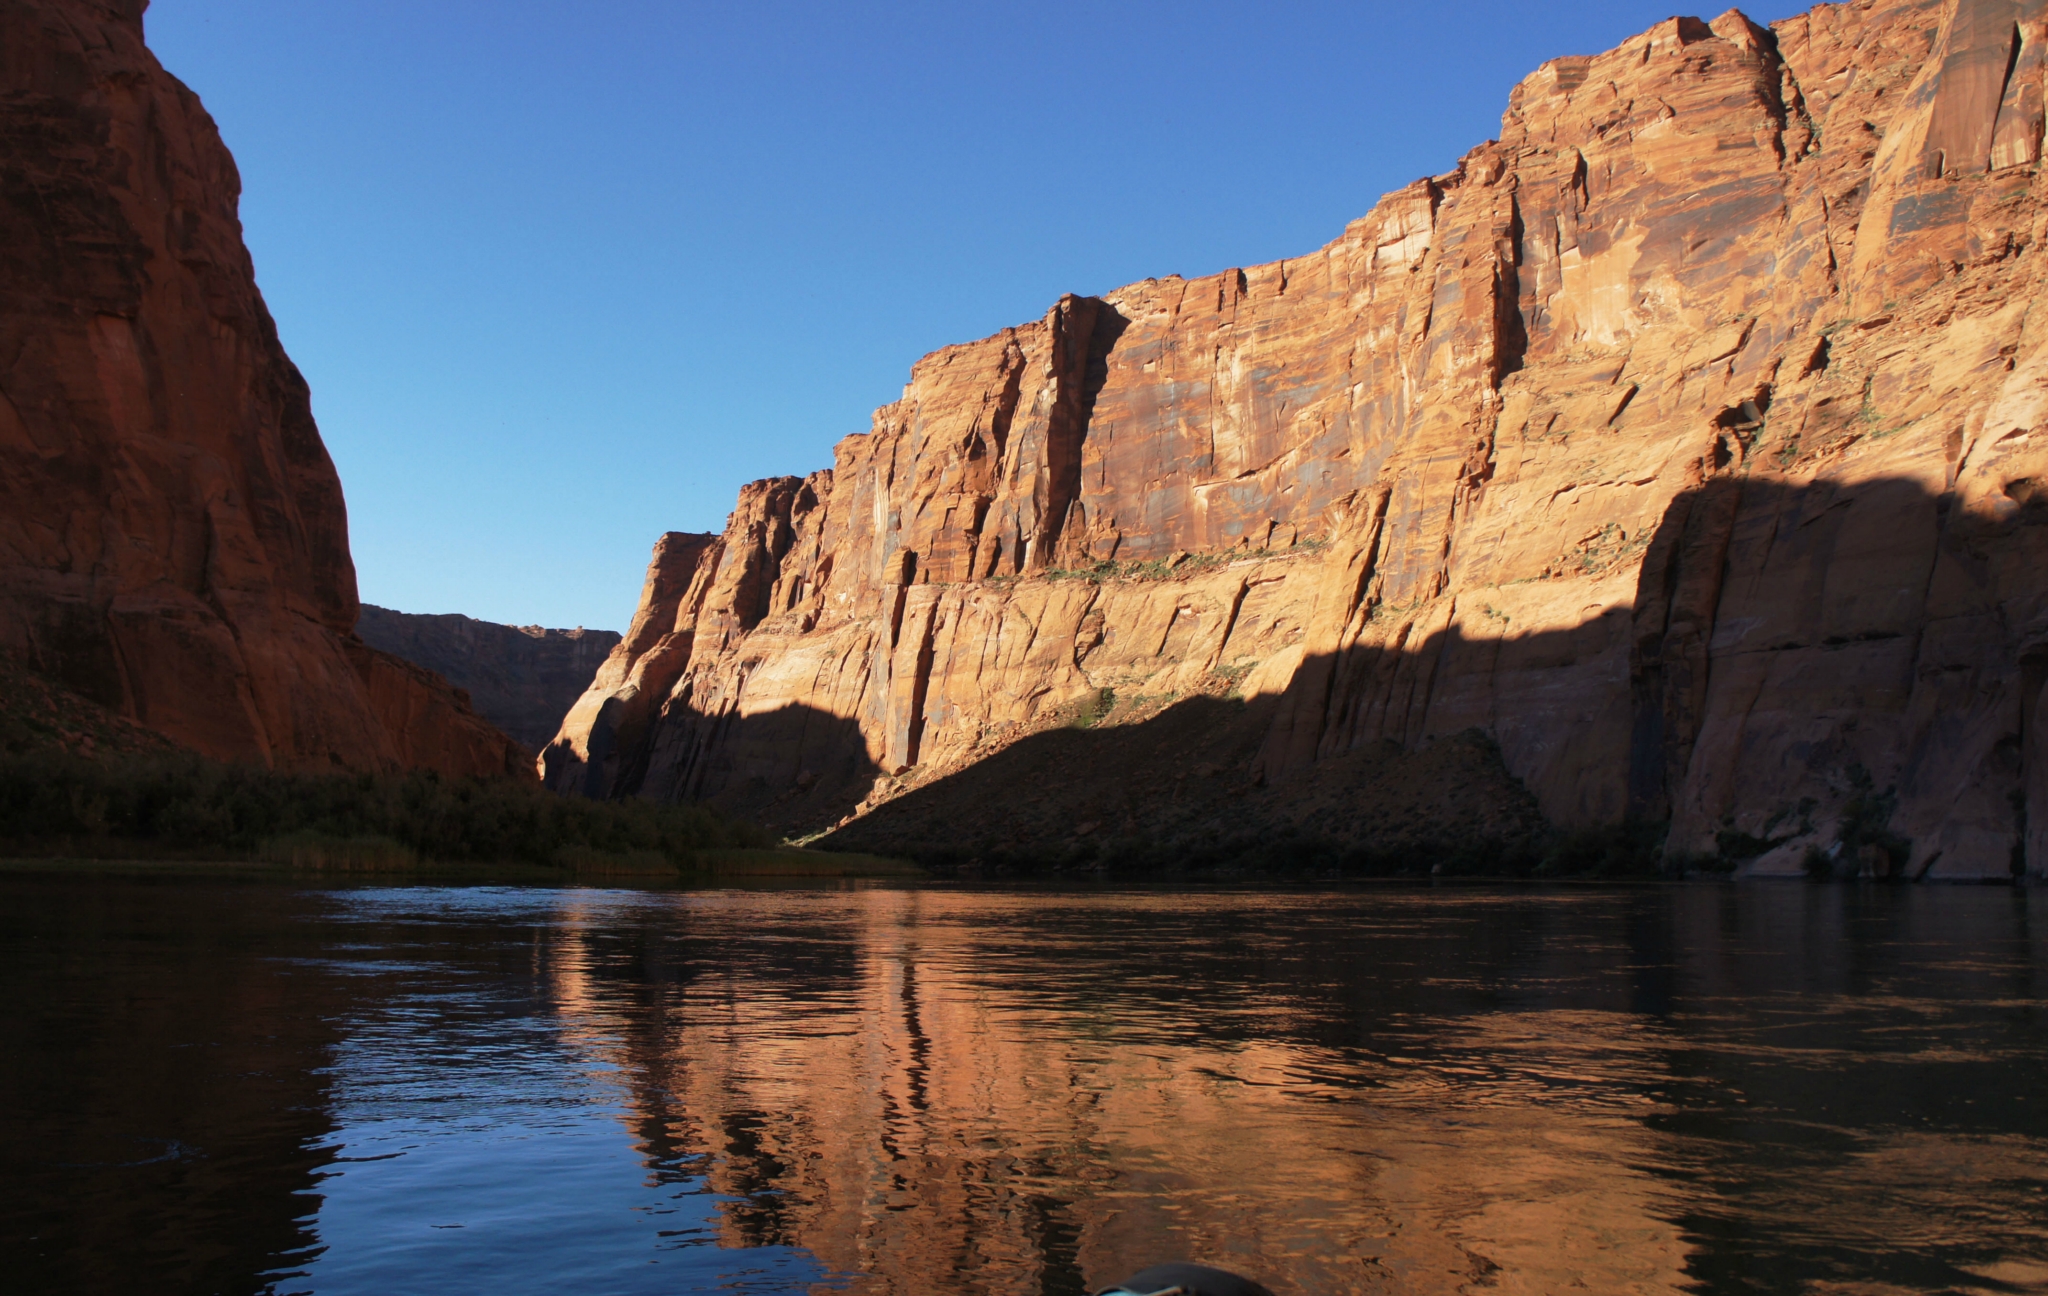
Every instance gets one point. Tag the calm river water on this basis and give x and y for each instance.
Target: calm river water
(220, 1086)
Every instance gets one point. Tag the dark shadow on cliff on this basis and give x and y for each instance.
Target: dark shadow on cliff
(1177, 794)
(1427, 758)
(793, 770)
(1880, 629)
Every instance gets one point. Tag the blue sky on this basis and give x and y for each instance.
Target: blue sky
(564, 275)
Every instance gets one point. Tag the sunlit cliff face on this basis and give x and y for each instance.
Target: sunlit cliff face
(1685, 440)
(1030, 1094)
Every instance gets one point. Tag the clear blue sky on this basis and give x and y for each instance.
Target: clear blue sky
(564, 275)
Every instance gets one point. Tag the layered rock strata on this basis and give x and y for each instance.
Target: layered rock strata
(1687, 441)
(523, 679)
(173, 541)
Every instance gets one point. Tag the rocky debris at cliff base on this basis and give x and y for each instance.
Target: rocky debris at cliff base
(39, 717)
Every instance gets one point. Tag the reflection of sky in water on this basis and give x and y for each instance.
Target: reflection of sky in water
(1659, 1091)
(481, 1147)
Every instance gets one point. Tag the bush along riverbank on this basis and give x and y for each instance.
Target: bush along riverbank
(1624, 852)
(178, 806)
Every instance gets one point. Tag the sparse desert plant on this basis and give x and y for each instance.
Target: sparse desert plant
(1095, 709)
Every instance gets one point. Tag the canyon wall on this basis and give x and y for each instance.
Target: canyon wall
(522, 679)
(1684, 447)
(173, 541)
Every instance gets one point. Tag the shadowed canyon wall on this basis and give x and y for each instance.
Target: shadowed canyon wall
(1685, 441)
(173, 541)
(522, 679)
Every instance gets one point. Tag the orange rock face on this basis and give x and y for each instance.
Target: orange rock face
(1688, 440)
(173, 542)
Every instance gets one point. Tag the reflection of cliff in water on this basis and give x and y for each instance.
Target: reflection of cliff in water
(1036, 1093)
(1649, 1090)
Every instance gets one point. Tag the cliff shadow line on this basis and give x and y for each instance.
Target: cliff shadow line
(1837, 679)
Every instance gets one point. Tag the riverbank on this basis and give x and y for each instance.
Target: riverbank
(711, 867)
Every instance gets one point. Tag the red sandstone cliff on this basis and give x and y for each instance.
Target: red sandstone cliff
(173, 542)
(1687, 441)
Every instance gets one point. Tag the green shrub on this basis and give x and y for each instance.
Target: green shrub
(189, 804)
(1094, 710)
(617, 863)
(312, 850)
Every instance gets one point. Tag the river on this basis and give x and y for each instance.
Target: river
(227, 1084)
